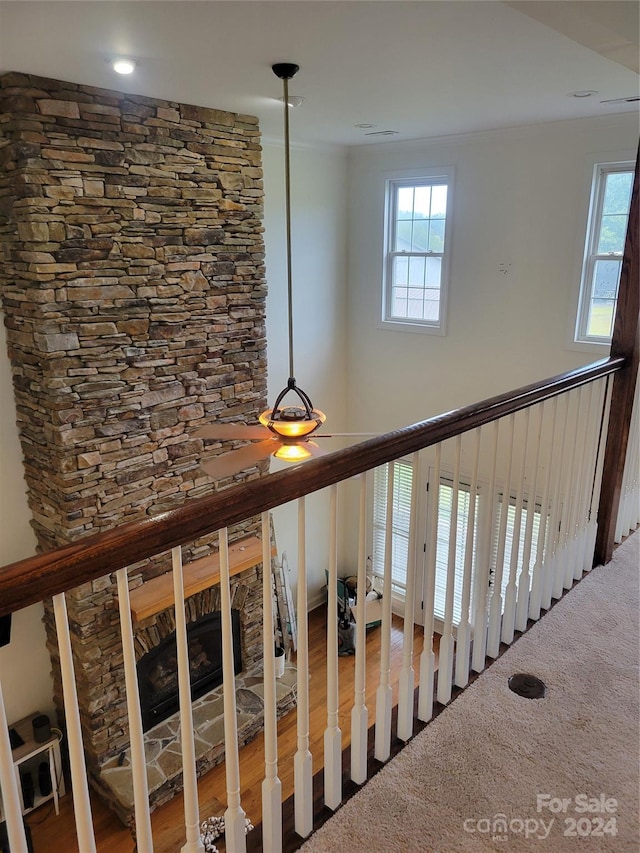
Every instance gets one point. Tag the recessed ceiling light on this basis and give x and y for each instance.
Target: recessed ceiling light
(583, 93)
(364, 125)
(124, 66)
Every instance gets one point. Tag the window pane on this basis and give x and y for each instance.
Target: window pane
(601, 313)
(605, 279)
(436, 235)
(422, 203)
(403, 236)
(420, 235)
(617, 195)
(400, 271)
(439, 201)
(433, 272)
(405, 203)
(612, 233)
(416, 271)
(431, 305)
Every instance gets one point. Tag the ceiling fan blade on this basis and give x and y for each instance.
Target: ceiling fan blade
(345, 435)
(314, 449)
(238, 460)
(232, 432)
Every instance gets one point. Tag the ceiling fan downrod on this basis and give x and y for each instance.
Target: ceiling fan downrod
(290, 420)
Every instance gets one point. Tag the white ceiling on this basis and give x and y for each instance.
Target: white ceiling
(424, 68)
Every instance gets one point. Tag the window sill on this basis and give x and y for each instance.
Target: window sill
(419, 328)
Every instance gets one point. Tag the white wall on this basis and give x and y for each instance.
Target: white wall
(318, 201)
(25, 668)
(520, 197)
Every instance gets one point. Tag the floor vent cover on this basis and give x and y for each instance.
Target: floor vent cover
(528, 686)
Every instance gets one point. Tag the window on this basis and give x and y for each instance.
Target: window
(606, 231)
(416, 244)
(401, 512)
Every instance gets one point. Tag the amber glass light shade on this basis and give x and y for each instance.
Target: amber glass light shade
(289, 427)
(293, 452)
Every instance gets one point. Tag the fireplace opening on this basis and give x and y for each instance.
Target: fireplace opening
(158, 669)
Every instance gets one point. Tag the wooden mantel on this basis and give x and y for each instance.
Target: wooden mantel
(157, 594)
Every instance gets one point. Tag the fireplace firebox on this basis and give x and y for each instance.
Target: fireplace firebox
(158, 668)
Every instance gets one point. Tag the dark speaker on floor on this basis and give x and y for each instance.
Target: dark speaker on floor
(44, 778)
(28, 792)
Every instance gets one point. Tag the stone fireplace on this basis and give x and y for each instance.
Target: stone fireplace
(133, 290)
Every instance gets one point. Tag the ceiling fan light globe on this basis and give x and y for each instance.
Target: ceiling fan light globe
(287, 427)
(293, 452)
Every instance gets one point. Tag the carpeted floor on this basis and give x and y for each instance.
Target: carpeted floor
(496, 771)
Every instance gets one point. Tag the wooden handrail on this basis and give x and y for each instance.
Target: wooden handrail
(31, 580)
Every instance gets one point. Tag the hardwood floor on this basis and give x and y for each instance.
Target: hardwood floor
(56, 834)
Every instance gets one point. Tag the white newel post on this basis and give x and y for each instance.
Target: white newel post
(428, 658)
(303, 760)
(384, 694)
(359, 712)
(407, 674)
(271, 785)
(79, 784)
(234, 817)
(144, 837)
(191, 812)
(9, 787)
(332, 734)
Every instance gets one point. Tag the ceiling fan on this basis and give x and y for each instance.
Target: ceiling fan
(284, 431)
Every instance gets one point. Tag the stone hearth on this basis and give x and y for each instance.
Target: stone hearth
(162, 743)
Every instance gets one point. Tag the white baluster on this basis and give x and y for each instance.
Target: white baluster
(522, 604)
(359, 712)
(565, 501)
(303, 761)
(193, 843)
(406, 684)
(551, 573)
(572, 489)
(271, 785)
(447, 642)
(144, 836)
(585, 479)
(495, 605)
(79, 786)
(428, 658)
(384, 693)
(463, 639)
(509, 615)
(478, 656)
(597, 480)
(9, 787)
(234, 816)
(332, 734)
(537, 582)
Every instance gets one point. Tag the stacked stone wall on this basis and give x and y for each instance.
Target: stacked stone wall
(132, 281)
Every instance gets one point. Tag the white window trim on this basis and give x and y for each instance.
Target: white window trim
(419, 326)
(624, 160)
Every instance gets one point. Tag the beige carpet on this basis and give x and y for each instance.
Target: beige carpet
(493, 754)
